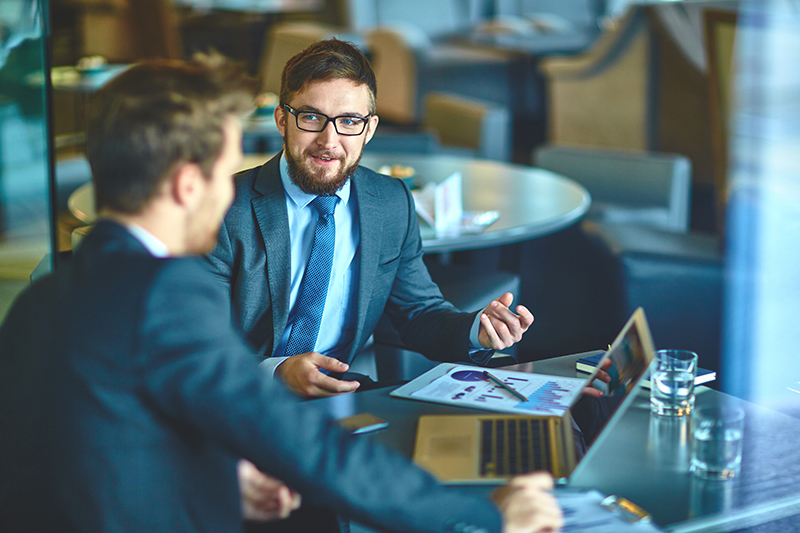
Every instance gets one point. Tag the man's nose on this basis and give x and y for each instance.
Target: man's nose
(328, 135)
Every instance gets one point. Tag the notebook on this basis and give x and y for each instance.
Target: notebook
(490, 448)
(588, 363)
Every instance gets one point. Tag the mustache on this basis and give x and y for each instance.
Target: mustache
(326, 155)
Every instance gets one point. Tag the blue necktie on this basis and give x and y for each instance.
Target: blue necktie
(314, 287)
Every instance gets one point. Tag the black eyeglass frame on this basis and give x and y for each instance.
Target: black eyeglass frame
(328, 119)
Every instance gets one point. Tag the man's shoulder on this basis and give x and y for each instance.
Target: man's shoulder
(254, 181)
(178, 281)
(381, 184)
(182, 271)
(124, 265)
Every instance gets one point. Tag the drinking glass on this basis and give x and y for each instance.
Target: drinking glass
(717, 451)
(672, 382)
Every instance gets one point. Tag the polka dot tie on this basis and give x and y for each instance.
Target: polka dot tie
(314, 287)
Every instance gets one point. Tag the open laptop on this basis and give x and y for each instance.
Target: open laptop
(490, 448)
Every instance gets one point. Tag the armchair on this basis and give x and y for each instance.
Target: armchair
(640, 87)
(480, 127)
(633, 250)
(648, 189)
(284, 41)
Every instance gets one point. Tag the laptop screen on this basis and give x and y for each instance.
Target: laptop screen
(630, 355)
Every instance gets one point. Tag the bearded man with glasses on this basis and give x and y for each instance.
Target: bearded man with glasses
(308, 283)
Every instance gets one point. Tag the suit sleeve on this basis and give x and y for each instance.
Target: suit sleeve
(198, 371)
(426, 322)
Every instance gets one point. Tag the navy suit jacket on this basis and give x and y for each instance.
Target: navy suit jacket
(252, 259)
(126, 399)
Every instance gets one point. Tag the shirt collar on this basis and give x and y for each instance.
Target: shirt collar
(148, 240)
(300, 198)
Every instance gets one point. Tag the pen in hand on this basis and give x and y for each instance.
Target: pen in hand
(497, 381)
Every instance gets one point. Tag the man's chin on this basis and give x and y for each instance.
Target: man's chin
(319, 181)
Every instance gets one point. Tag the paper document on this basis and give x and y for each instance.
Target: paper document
(467, 386)
(583, 511)
(441, 207)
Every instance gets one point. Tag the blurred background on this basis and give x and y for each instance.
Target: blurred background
(680, 118)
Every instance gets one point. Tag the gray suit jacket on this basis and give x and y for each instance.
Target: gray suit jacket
(253, 254)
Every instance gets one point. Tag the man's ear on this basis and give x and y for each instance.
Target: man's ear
(280, 119)
(372, 125)
(187, 185)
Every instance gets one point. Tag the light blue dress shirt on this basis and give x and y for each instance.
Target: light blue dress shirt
(337, 329)
(148, 240)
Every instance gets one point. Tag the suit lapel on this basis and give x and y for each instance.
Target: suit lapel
(273, 220)
(369, 216)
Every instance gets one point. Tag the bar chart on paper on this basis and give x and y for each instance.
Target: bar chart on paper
(466, 386)
(552, 397)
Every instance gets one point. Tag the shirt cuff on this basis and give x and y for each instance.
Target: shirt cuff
(269, 365)
(474, 339)
(477, 353)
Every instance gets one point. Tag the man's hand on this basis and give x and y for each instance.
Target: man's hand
(527, 505)
(501, 327)
(264, 497)
(603, 376)
(302, 374)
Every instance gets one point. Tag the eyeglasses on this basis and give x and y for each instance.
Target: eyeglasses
(316, 122)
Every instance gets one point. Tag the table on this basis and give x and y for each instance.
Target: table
(73, 80)
(533, 44)
(532, 202)
(645, 458)
(254, 6)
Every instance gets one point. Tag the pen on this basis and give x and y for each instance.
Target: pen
(497, 381)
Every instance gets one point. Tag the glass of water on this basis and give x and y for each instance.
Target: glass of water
(717, 451)
(672, 382)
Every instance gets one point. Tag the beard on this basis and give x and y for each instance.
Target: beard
(311, 184)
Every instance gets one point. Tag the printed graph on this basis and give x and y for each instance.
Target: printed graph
(550, 398)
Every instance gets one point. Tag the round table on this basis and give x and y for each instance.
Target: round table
(532, 202)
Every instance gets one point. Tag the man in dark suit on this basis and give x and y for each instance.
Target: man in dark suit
(126, 399)
(326, 116)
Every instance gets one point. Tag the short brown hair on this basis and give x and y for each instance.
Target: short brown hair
(157, 115)
(328, 60)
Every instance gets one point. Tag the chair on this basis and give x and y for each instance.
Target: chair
(156, 27)
(481, 127)
(677, 278)
(649, 189)
(633, 250)
(284, 41)
(129, 31)
(638, 88)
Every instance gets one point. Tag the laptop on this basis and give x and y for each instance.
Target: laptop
(490, 448)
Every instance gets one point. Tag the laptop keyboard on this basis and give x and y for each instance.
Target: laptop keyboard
(514, 446)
